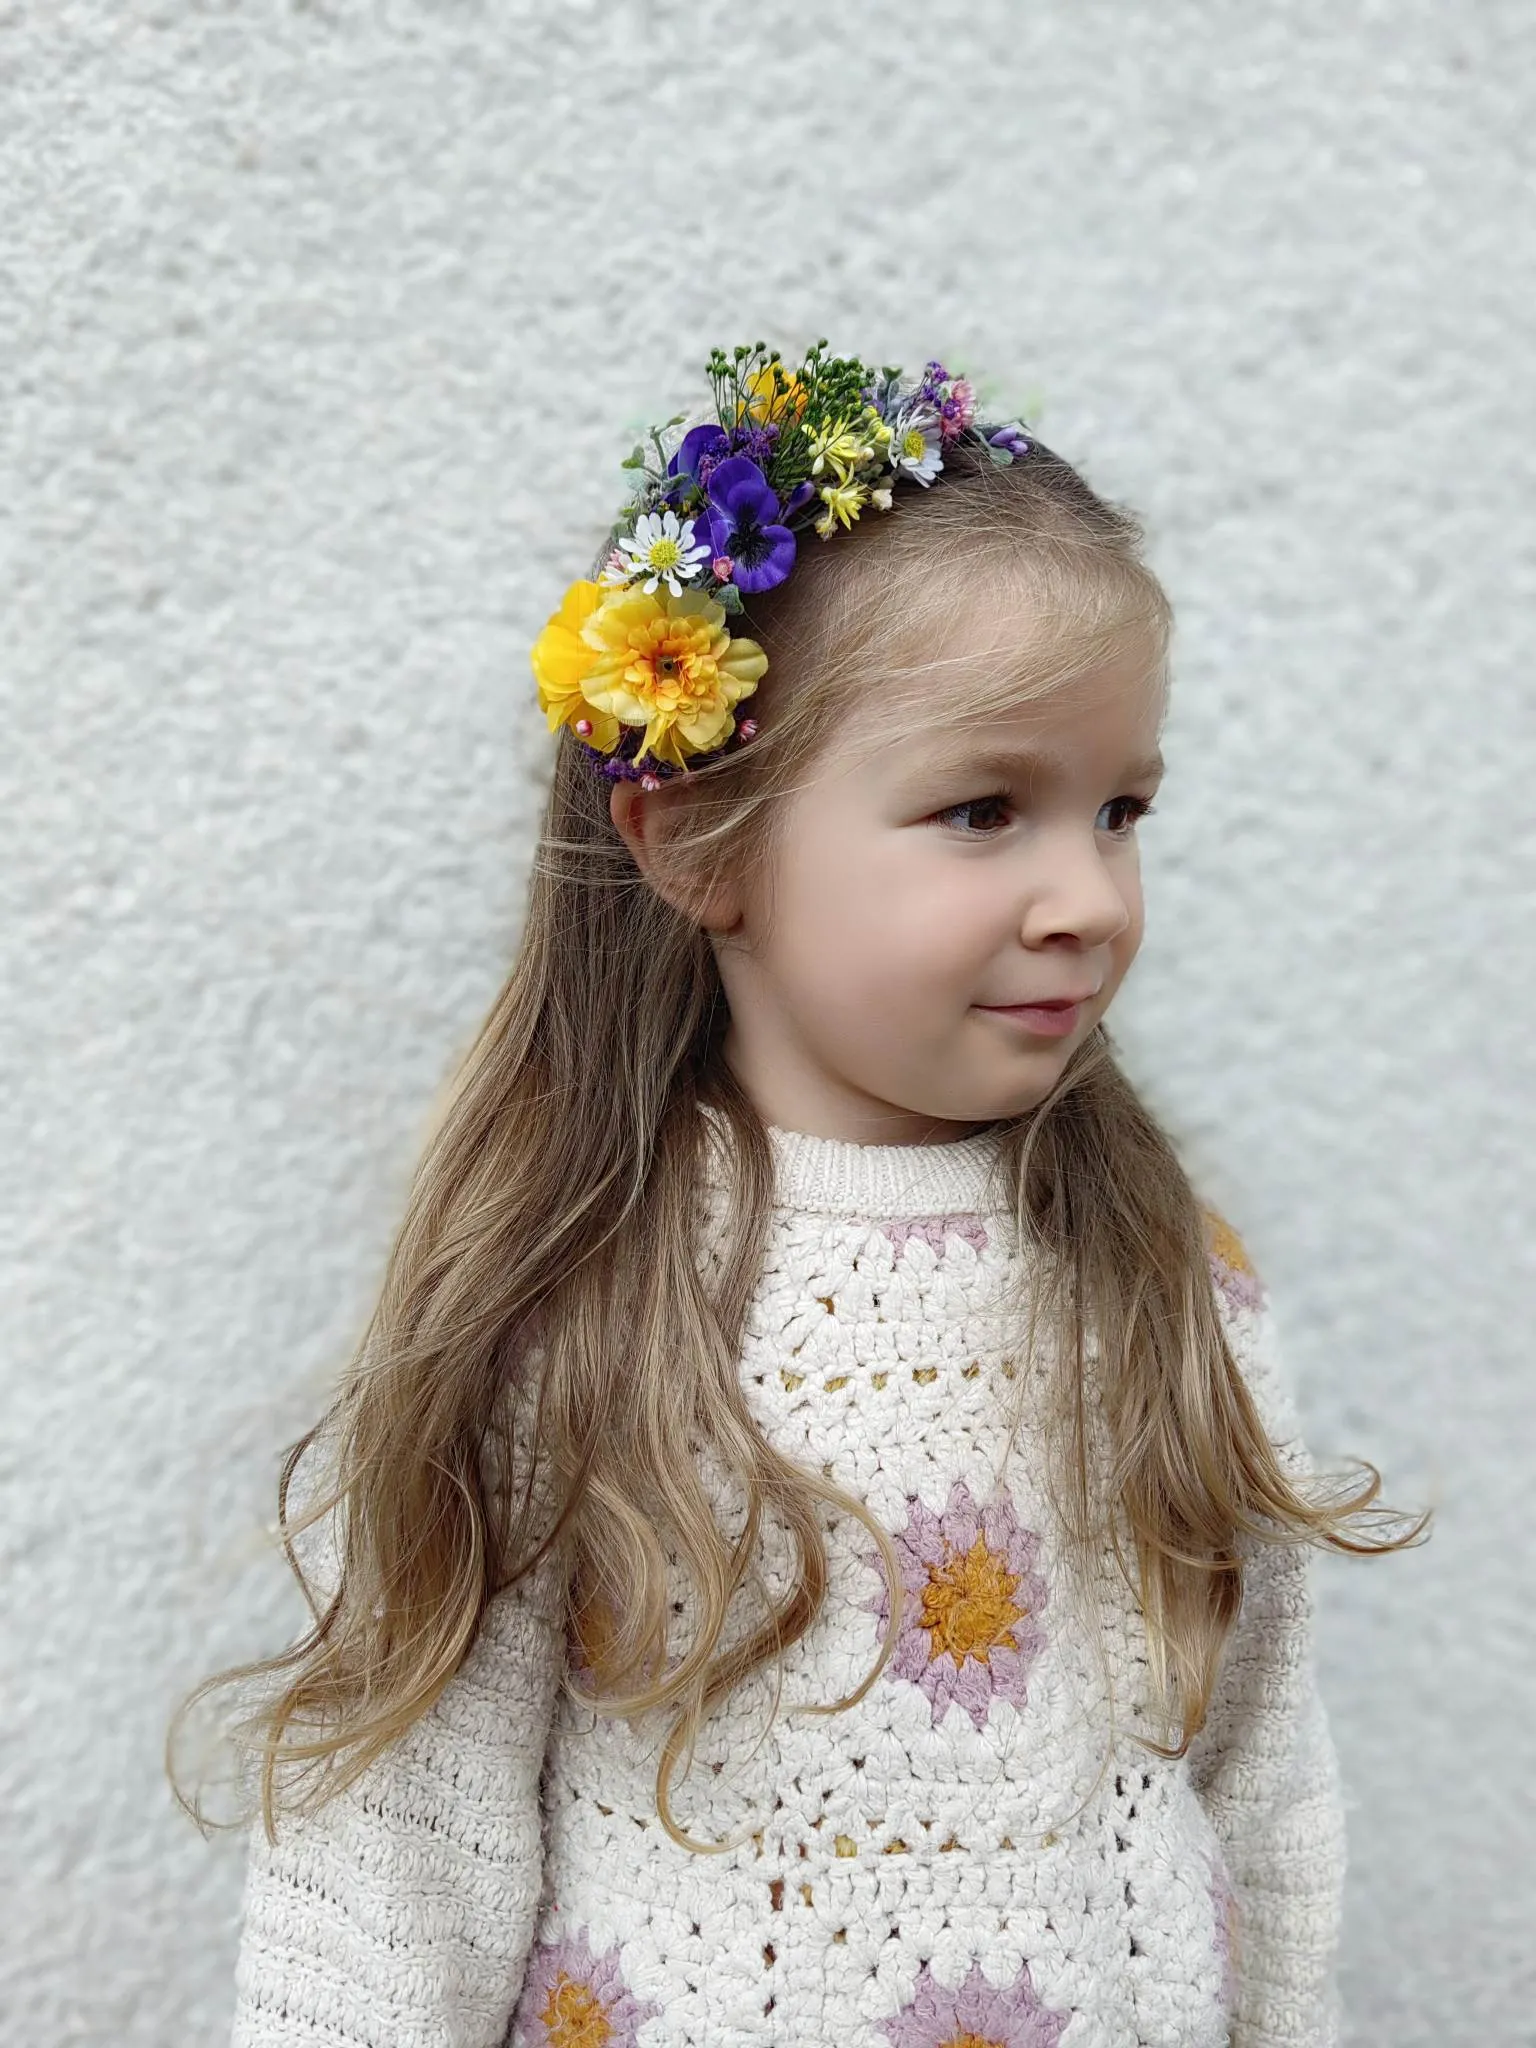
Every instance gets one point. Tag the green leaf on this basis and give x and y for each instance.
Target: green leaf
(728, 595)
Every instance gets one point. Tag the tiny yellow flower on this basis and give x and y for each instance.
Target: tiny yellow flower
(844, 501)
(839, 447)
(562, 660)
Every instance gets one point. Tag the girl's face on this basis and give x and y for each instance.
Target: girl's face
(922, 886)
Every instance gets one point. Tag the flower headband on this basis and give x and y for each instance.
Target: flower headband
(640, 662)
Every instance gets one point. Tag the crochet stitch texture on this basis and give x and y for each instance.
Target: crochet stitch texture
(957, 1859)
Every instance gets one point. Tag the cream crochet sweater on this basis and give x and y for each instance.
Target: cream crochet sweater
(962, 1857)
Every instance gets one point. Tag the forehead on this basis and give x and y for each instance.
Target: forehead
(1106, 720)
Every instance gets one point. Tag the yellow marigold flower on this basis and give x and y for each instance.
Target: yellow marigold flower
(669, 664)
(562, 661)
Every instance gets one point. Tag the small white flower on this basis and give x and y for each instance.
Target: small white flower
(663, 551)
(916, 443)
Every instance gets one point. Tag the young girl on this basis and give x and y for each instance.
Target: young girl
(813, 1546)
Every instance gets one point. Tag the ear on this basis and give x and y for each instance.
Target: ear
(641, 817)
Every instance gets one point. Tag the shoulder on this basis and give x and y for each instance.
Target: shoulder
(1236, 1276)
(1255, 1337)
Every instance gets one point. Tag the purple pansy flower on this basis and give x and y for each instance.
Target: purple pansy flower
(742, 512)
(969, 1627)
(571, 1997)
(998, 2015)
(698, 445)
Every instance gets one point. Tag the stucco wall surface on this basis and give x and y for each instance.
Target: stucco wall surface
(322, 327)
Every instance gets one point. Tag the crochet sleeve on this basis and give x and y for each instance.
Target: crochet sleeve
(1265, 1764)
(400, 1915)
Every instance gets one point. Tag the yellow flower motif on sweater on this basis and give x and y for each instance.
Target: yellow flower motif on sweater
(574, 2018)
(669, 664)
(562, 661)
(970, 1628)
(1232, 1269)
(1226, 1243)
(968, 1606)
(573, 1998)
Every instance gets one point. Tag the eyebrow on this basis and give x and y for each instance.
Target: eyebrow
(1004, 761)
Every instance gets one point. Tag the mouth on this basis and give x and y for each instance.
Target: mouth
(1054, 1019)
(1045, 1003)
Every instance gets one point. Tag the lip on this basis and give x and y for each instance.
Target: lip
(1047, 1020)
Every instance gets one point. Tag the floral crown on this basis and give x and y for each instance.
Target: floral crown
(640, 662)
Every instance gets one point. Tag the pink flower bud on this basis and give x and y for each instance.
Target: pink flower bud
(722, 568)
(650, 782)
(584, 727)
(747, 727)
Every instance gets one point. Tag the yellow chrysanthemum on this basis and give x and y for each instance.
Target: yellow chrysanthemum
(669, 664)
(562, 661)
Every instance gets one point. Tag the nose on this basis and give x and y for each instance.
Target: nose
(1074, 891)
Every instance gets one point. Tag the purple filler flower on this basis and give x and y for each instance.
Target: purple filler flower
(742, 512)
(936, 381)
(999, 2015)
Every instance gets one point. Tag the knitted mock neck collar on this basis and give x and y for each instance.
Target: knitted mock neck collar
(836, 1176)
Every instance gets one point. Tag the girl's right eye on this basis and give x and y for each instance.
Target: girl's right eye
(973, 803)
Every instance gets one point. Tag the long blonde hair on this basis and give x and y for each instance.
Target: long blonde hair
(548, 1251)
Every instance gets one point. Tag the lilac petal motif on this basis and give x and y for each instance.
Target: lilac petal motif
(933, 1230)
(970, 1632)
(975, 2015)
(1231, 1268)
(574, 1999)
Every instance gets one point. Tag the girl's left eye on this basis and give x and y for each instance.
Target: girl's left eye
(1138, 806)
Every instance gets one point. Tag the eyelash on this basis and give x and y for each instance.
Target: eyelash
(1140, 808)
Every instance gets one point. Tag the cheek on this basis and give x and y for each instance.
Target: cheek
(862, 920)
(850, 943)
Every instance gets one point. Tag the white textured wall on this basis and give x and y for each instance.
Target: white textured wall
(323, 328)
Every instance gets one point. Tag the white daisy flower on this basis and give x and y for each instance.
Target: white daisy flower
(916, 443)
(663, 551)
